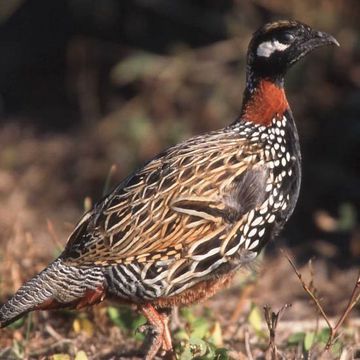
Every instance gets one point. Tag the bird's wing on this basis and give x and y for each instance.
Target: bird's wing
(192, 192)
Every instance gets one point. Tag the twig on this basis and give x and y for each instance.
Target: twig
(53, 333)
(62, 345)
(272, 319)
(314, 290)
(247, 345)
(354, 299)
(309, 325)
(87, 204)
(110, 174)
(308, 290)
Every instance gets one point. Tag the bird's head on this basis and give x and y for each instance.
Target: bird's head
(278, 45)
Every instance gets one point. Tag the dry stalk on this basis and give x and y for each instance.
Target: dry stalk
(107, 185)
(354, 299)
(314, 290)
(247, 345)
(272, 319)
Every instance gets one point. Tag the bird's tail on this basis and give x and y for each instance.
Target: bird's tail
(57, 286)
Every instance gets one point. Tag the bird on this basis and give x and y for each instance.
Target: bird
(177, 229)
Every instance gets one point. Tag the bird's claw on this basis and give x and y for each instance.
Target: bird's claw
(146, 329)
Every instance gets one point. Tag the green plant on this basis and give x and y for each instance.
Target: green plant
(126, 320)
(201, 338)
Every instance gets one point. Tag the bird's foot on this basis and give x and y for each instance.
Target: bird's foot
(158, 330)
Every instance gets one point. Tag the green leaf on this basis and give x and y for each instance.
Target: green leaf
(18, 323)
(186, 354)
(182, 335)
(138, 321)
(124, 318)
(323, 336)
(309, 340)
(296, 339)
(337, 348)
(199, 328)
(188, 315)
(114, 316)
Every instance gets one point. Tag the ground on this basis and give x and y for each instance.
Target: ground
(38, 213)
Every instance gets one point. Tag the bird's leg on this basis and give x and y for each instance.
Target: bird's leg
(159, 323)
(167, 343)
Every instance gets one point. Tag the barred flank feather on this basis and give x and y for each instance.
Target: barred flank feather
(57, 286)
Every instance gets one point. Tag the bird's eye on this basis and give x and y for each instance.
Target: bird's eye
(285, 38)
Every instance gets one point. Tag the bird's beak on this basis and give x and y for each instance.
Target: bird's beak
(315, 39)
(322, 38)
(318, 39)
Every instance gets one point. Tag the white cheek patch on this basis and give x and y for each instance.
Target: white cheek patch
(266, 48)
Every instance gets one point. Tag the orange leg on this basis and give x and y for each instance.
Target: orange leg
(159, 323)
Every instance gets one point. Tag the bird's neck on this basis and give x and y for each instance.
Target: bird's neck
(264, 99)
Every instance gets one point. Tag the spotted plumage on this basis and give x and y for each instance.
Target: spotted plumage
(177, 229)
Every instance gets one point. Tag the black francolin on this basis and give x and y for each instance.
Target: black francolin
(176, 230)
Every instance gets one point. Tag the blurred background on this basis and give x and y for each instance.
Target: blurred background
(89, 90)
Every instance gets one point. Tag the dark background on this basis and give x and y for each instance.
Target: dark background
(87, 84)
